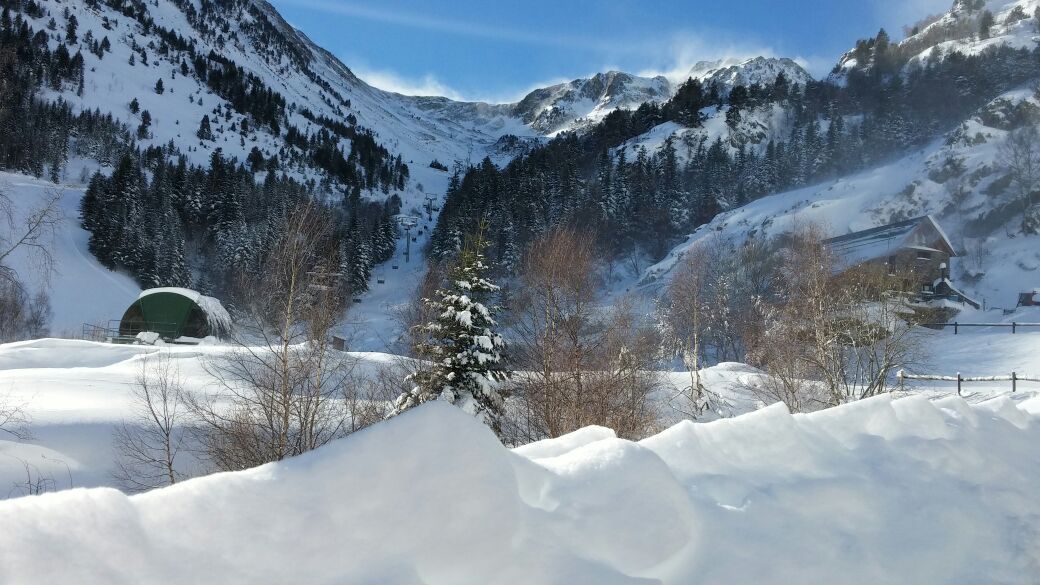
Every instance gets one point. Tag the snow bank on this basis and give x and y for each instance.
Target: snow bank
(883, 491)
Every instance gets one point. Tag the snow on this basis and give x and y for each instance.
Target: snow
(881, 491)
(81, 289)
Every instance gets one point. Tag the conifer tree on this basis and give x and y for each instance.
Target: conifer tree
(205, 131)
(461, 346)
(985, 24)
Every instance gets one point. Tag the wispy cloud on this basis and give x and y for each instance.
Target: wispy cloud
(429, 84)
(450, 26)
(425, 85)
(678, 54)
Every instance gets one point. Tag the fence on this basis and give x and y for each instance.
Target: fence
(118, 332)
(956, 326)
(1014, 378)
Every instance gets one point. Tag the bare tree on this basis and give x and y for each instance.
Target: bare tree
(682, 316)
(283, 384)
(1020, 155)
(31, 232)
(22, 316)
(15, 421)
(583, 363)
(833, 337)
(148, 445)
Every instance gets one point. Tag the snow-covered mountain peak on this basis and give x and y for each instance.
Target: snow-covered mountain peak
(730, 72)
(565, 106)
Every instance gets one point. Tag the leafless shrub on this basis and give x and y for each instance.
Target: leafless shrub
(22, 316)
(35, 483)
(15, 421)
(581, 363)
(1020, 155)
(148, 445)
(285, 390)
(831, 339)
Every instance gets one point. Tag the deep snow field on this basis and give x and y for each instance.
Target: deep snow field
(882, 491)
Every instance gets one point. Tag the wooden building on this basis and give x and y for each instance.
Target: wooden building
(916, 250)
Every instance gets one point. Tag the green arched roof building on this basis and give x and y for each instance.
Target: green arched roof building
(175, 314)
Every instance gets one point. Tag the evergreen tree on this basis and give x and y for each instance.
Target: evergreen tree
(462, 347)
(986, 22)
(146, 122)
(70, 30)
(205, 132)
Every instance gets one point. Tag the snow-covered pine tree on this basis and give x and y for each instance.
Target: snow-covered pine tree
(461, 345)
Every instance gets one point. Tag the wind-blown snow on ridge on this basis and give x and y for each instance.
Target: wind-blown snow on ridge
(880, 491)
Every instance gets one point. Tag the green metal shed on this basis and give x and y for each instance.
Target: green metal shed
(175, 314)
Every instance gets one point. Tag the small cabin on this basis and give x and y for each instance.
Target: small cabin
(175, 315)
(916, 250)
(1029, 299)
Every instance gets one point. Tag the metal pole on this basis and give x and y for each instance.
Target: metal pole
(1013, 327)
(955, 328)
(1014, 382)
(407, 244)
(959, 384)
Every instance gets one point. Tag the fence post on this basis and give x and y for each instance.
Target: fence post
(955, 328)
(899, 376)
(1013, 327)
(1014, 382)
(959, 393)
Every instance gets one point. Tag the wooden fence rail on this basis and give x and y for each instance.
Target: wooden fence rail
(1014, 378)
(956, 326)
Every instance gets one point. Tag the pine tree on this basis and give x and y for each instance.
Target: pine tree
(70, 30)
(985, 24)
(461, 346)
(205, 132)
(146, 122)
(159, 89)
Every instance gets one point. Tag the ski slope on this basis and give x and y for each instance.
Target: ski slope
(81, 289)
(883, 491)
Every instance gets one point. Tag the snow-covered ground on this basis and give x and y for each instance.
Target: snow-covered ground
(882, 491)
(76, 392)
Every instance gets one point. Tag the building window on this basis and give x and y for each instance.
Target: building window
(924, 255)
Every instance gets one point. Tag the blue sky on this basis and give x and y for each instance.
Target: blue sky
(497, 50)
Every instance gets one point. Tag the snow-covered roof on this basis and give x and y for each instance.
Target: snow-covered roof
(880, 241)
(184, 292)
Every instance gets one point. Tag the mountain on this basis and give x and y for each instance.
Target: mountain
(285, 119)
(928, 125)
(965, 175)
(729, 73)
(578, 103)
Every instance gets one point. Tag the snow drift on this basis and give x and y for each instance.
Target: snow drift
(883, 491)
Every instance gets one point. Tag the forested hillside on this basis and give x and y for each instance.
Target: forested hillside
(641, 180)
(199, 207)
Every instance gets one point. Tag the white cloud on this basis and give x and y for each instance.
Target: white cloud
(430, 85)
(426, 85)
(684, 50)
(449, 26)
